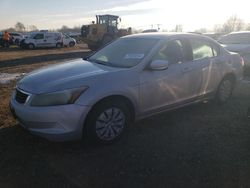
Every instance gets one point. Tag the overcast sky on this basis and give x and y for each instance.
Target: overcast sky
(52, 14)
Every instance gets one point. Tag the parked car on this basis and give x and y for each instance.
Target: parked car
(150, 31)
(16, 37)
(43, 39)
(68, 41)
(214, 36)
(132, 78)
(238, 42)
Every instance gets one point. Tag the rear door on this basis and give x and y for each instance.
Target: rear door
(207, 61)
(50, 39)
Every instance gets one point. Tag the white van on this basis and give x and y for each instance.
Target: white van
(43, 39)
(68, 41)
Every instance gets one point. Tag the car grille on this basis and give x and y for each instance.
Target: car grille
(21, 97)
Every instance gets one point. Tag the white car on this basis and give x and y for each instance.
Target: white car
(16, 37)
(43, 39)
(238, 42)
(68, 41)
(132, 78)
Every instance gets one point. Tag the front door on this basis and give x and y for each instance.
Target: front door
(160, 89)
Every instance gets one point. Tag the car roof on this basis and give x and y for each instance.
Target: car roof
(240, 32)
(165, 35)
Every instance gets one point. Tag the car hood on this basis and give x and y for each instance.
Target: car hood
(63, 76)
(240, 48)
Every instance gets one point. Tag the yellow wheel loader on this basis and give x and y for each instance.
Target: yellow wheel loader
(103, 31)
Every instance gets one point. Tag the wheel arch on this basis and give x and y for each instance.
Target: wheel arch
(231, 76)
(32, 43)
(115, 98)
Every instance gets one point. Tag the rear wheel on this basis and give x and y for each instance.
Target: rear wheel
(71, 44)
(106, 122)
(225, 90)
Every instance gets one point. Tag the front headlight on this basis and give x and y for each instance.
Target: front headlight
(58, 98)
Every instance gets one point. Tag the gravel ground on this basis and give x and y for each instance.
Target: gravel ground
(203, 145)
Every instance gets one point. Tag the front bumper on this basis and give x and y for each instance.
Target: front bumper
(55, 123)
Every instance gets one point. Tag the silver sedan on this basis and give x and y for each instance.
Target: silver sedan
(132, 78)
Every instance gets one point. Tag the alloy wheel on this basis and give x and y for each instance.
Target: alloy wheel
(110, 124)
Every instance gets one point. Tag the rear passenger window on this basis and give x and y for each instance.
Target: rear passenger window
(201, 49)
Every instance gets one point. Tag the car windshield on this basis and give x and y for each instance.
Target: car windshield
(66, 36)
(125, 52)
(237, 38)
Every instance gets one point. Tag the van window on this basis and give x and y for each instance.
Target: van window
(39, 36)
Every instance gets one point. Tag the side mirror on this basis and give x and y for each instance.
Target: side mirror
(159, 65)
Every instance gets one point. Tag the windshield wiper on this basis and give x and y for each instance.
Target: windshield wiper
(98, 62)
(106, 63)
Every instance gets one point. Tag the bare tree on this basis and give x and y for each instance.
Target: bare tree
(233, 24)
(178, 28)
(20, 27)
(64, 29)
(201, 30)
(33, 28)
(218, 28)
(248, 27)
(11, 29)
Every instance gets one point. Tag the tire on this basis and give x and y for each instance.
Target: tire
(84, 31)
(71, 44)
(106, 39)
(17, 41)
(106, 122)
(59, 45)
(31, 46)
(225, 90)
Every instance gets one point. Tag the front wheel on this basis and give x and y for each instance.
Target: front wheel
(225, 90)
(106, 122)
(17, 41)
(31, 46)
(59, 45)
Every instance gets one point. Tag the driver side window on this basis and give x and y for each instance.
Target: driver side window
(172, 51)
(39, 36)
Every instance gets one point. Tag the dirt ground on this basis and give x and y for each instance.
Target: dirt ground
(203, 145)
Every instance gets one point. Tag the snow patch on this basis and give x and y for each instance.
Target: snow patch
(5, 78)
